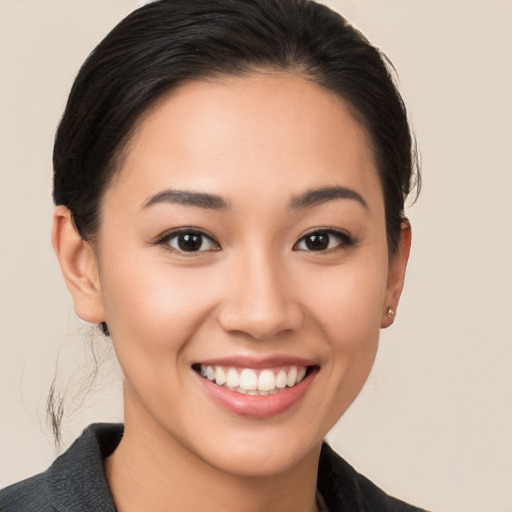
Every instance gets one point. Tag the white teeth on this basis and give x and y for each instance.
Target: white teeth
(281, 379)
(210, 373)
(248, 382)
(232, 378)
(266, 381)
(291, 379)
(220, 376)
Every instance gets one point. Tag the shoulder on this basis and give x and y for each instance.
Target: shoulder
(30, 495)
(343, 488)
(75, 481)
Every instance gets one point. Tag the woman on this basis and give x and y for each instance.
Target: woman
(230, 178)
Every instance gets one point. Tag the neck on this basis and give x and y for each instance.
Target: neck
(152, 471)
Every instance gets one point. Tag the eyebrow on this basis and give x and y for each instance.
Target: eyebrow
(322, 195)
(213, 202)
(187, 198)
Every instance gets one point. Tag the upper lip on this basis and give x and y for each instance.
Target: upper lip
(258, 362)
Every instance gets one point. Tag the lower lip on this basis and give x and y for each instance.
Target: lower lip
(255, 406)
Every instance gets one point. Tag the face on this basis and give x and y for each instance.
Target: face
(243, 270)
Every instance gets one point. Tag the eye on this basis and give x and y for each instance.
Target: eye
(190, 241)
(323, 240)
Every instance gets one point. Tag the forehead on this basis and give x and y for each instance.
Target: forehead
(267, 132)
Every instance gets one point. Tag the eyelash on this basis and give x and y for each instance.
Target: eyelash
(166, 238)
(344, 240)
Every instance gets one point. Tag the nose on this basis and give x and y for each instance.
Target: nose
(260, 302)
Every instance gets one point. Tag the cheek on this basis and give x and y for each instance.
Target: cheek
(347, 308)
(349, 317)
(348, 301)
(152, 309)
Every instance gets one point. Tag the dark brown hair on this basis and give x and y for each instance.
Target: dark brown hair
(169, 42)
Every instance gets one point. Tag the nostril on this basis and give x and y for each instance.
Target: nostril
(260, 323)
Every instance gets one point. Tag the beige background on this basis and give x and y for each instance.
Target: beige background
(434, 423)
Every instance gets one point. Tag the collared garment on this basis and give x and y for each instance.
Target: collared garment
(76, 481)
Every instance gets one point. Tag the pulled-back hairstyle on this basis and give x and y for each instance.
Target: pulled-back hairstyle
(170, 42)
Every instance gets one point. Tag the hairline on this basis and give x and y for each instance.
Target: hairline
(123, 149)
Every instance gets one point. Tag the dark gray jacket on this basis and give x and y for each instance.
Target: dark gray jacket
(76, 481)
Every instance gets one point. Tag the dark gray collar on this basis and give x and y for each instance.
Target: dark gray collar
(77, 478)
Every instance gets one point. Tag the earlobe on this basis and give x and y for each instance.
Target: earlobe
(79, 267)
(396, 275)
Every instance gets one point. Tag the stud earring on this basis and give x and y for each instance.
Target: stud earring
(391, 312)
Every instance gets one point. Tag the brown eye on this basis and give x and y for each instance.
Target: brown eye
(317, 241)
(191, 241)
(323, 241)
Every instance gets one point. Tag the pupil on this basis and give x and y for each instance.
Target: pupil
(317, 241)
(190, 242)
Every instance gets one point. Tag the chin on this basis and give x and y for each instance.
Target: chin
(261, 459)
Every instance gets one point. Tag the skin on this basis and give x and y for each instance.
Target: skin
(258, 142)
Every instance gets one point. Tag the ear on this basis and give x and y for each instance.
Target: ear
(396, 275)
(79, 267)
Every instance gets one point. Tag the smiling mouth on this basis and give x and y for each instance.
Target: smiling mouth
(249, 381)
